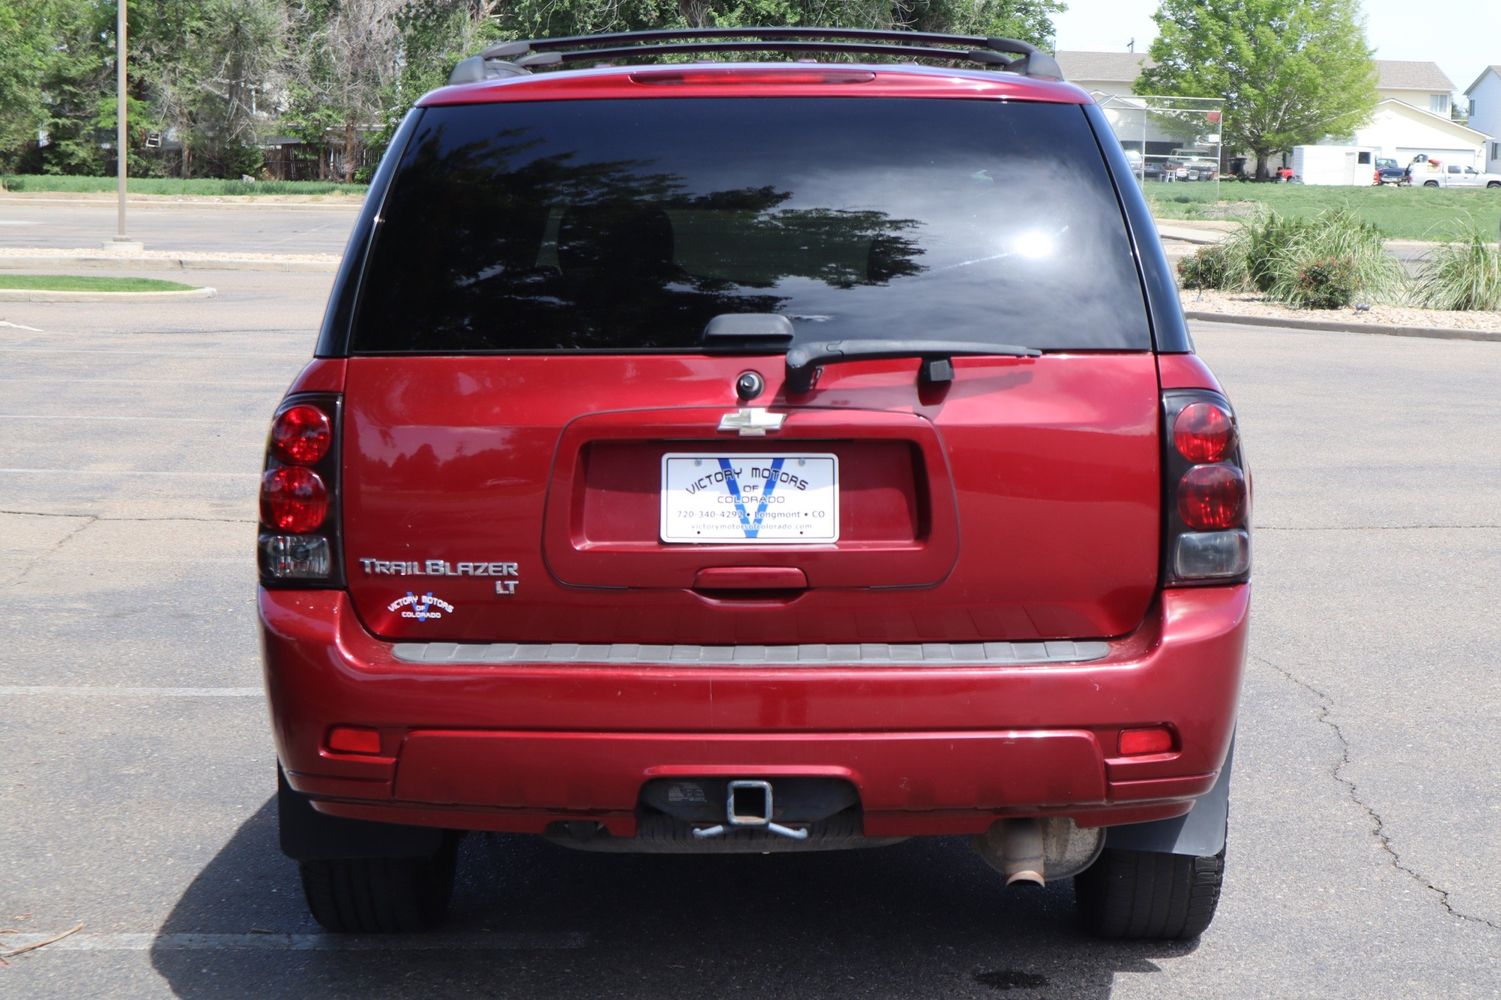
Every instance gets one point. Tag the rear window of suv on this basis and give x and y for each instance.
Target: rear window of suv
(626, 225)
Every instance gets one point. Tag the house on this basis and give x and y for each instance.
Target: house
(1485, 113)
(1412, 115)
(1154, 131)
(1419, 84)
(1400, 131)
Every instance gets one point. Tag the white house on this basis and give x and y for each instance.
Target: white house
(1400, 131)
(1109, 77)
(1485, 113)
(1412, 115)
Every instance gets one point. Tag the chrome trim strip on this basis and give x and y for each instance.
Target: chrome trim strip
(867, 654)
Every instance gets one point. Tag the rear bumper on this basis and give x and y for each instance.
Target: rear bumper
(931, 749)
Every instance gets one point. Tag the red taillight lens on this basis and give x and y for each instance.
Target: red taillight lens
(293, 499)
(1212, 497)
(1203, 432)
(301, 435)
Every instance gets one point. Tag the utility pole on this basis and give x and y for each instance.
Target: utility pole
(122, 151)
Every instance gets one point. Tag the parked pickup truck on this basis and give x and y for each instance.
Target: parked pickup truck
(1194, 165)
(1422, 172)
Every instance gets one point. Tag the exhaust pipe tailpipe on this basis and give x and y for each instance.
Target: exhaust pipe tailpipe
(1028, 851)
(1017, 845)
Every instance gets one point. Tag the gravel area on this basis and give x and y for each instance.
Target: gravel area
(1251, 304)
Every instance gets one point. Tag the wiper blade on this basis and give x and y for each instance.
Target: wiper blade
(804, 360)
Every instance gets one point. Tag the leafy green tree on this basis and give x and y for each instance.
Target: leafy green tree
(210, 67)
(25, 40)
(1290, 71)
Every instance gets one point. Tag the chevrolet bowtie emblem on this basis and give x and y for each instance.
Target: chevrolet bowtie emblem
(752, 421)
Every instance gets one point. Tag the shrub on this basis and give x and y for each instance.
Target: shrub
(1294, 260)
(1329, 283)
(1465, 274)
(1207, 267)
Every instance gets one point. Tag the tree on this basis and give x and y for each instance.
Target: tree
(1290, 71)
(209, 66)
(25, 38)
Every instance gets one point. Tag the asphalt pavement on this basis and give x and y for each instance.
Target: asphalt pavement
(138, 766)
(195, 225)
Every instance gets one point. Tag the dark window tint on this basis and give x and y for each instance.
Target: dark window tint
(628, 225)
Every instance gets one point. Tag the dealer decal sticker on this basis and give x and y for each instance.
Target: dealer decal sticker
(424, 608)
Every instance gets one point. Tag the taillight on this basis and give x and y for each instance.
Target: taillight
(1207, 503)
(1203, 432)
(301, 435)
(298, 544)
(1212, 497)
(293, 499)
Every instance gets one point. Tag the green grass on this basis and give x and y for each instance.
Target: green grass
(79, 283)
(173, 186)
(1400, 213)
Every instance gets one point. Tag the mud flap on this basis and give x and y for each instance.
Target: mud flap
(1200, 833)
(308, 835)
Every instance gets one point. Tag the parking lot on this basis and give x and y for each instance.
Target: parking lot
(138, 769)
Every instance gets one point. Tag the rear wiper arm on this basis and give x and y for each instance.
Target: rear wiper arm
(804, 360)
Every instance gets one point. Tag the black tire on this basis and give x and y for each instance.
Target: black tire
(1430, 184)
(1139, 895)
(1493, 184)
(380, 895)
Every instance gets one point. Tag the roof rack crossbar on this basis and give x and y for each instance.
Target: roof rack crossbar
(520, 56)
(680, 48)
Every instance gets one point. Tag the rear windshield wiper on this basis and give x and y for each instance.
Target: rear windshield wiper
(804, 360)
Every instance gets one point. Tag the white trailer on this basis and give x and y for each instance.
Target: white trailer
(1335, 165)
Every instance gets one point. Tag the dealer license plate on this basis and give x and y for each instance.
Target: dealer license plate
(765, 499)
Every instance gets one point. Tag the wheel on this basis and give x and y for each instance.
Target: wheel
(1430, 184)
(1134, 895)
(380, 895)
(1493, 184)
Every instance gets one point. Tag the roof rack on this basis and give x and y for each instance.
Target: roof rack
(521, 57)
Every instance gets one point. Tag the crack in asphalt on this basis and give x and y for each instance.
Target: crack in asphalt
(88, 521)
(1378, 825)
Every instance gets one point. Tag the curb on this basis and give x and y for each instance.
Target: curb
(41, 295)
(1329, 326)
(146, 261)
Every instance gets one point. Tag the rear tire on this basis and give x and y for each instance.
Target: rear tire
(380, 895)
(1137, 895)
(1430, 184)
(1493, 184)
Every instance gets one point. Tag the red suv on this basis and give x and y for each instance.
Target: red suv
(756, 457)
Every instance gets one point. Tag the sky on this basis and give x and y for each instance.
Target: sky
(1462, 36)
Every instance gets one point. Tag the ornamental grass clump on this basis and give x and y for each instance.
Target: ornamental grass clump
(1465, 274)
(1313, 262)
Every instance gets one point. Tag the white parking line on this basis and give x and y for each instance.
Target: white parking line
(132, 418)
(91, 691)
(122, 472)
(500, 941)
(19, 326)
(139, 381)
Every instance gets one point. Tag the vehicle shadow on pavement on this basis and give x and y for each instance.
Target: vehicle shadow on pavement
(920, 919)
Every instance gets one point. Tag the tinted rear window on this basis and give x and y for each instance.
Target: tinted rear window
(628, 225)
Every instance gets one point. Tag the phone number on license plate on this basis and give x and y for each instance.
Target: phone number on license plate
(777, 499)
